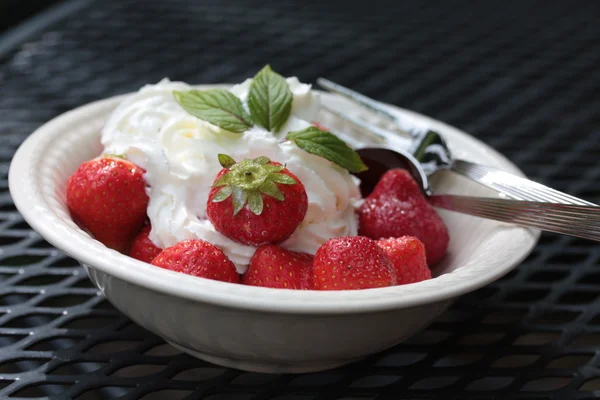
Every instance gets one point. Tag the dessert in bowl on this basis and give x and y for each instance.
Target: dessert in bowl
(206, 284)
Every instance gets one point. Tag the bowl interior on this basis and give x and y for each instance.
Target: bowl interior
(480, 250)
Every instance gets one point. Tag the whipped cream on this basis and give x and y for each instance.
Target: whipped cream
(179, 153)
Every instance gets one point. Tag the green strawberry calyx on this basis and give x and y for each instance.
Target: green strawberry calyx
(248, 180)
(113, 155)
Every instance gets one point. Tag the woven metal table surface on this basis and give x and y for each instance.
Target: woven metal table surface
(522, 76)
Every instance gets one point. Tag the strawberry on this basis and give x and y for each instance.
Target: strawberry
(407, 254)
(142, 247)
(397, 208)
(198, 258)
(107, 197)
(256, 201)
(352, 262)
(275, 267)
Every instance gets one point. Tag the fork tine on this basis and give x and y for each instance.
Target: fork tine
(367, 102)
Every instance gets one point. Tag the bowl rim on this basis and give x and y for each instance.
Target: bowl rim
(27, 196)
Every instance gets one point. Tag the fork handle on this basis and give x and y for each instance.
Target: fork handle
(581, 221)
(512, 185)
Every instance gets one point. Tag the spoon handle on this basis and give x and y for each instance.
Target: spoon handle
(512, 185)
(581, 221)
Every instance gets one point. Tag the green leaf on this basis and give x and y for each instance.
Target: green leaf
(222, 194)
(282, 178)
(262, 160)
(274, 168)
(239, 199)
(325, 144)
(255, 202)
(226, 161)
(217, 106)
(269, 100)
(270, 188)
(223, 181)
(111, 155)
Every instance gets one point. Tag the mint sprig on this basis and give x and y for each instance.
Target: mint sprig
(269, 100)
(325, 144)
(217, 106)
(269, 104)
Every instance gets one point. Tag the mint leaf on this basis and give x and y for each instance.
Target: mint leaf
(327, 145)
(269, 100)
(217, 106)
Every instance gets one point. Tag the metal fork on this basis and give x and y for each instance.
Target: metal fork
(430, 149)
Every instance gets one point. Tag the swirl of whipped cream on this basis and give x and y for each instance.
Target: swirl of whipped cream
(179, 153)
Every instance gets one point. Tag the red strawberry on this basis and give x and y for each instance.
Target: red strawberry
(407, 254)
(198, 258)
(142, 247)
(107, 197)
(275, 267)
(397, 208)
(256, 201)
(352, 262)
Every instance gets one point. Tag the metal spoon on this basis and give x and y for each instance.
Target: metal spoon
(431, 151)
(581, 221)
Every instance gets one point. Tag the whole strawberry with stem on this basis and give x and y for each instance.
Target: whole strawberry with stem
(256, 201)
(142, 248)
(396, 207)
(352, 262)
(198, 258)
(275, 267)
(107, 196)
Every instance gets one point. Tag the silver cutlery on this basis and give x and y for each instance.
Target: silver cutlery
(430, 151)
(567, 219)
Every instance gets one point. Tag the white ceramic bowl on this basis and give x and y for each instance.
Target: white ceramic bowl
(252, 328)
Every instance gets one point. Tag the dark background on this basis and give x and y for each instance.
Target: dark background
(14, 11)
(522, 76)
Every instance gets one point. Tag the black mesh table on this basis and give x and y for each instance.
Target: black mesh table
(524, 76)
